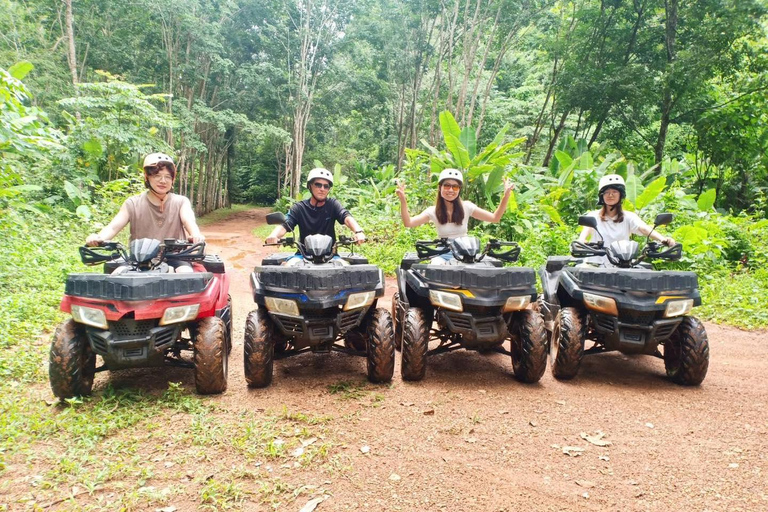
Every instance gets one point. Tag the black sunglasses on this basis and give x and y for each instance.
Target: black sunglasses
(326, 186)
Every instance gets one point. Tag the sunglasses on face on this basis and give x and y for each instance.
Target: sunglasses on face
(325, 186)
(451, 187)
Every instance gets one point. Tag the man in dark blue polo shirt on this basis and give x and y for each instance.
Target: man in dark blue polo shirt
(319, 213)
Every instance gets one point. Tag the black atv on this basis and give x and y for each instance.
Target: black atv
(139, 314)
(320, 302)
(475, 302)
(627, 306)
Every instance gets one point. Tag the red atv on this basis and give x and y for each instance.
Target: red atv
(139, 314)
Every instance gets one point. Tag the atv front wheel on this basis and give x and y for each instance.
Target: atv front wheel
(381, 346)
(397, 322)
(211, 356)
(415, 344)
(567, 346)
(72, 363)
(686, 353)
(529, 345)
(258, 349)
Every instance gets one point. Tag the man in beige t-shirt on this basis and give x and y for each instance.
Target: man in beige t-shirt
(157, 213)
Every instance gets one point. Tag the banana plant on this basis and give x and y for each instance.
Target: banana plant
(483, 169)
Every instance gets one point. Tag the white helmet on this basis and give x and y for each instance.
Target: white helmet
(451, 174)
(319, 172)
(153, 159)
(613, 181)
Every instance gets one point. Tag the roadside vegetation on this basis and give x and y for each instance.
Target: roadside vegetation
(572, 93)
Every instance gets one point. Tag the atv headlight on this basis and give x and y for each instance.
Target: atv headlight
(89, 316)
(178, 314)
(517, 303)
(446, 300)
(678, 307)
(282, 306)
(602, 304)
(359, 300)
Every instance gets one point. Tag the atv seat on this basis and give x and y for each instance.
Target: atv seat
(277, 258)
(556, 263)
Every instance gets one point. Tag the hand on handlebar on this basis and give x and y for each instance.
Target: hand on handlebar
(196, 239)
(93, 240)
(669, 241)
(360, 237)
(271, 240)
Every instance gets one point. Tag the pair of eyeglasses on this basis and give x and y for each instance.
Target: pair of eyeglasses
(451, 187)
(326, 186)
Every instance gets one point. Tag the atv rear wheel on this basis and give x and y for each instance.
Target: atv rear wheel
(567, 345)
(686, 353)
(528, 340)
(258, 349)
(415, 344)
(397, 322)
(381, 346)
(72, 363)
(211, 356)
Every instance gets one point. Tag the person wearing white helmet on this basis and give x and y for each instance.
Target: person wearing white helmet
(613, 222)
(157, 213)
(450, 214)
(318, 214)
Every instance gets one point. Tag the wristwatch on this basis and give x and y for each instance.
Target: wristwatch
(358, 231)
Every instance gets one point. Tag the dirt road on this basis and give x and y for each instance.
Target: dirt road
(470, 437)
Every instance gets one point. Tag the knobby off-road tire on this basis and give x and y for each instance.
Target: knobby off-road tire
(567, 346)
(381, 346)
(397, 322)
(72, 363)
(258, 349)
(528, 340)
(229, 325)
(686, 353)
(211, 356)
(415, 344)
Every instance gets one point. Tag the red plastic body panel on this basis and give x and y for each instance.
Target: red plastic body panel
(213, 298)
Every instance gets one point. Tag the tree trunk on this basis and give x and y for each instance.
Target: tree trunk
(71, 55)
(668, 100)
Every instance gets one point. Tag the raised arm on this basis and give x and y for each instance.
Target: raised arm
(408, 221)
(486, 216)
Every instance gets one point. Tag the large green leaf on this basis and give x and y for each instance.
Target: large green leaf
(563, 158)
(552, 212)
(20, 70)
(707, 200)
(459, 152)
(634, 188)
(651, 192)
(449, 125)
(469, 141)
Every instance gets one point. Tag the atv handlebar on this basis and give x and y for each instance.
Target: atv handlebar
(510, 255)
(183, 250)
(655, 250)
(430, 248)
(587, 249)
(105, 251)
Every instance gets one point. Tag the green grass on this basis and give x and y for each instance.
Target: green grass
(735, 298)
(222, 214)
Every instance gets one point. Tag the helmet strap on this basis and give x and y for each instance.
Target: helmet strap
(159, 197)
(316, 202)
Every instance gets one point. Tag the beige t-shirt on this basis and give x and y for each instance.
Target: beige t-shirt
(147, 221)
(451, 230)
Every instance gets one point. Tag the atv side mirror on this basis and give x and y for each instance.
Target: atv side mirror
(663, 219)
(588, 221)
(275, 218)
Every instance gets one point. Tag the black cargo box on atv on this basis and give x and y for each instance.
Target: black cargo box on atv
(364, 277)
(479, 277)
(128, 287)
(634, 280)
